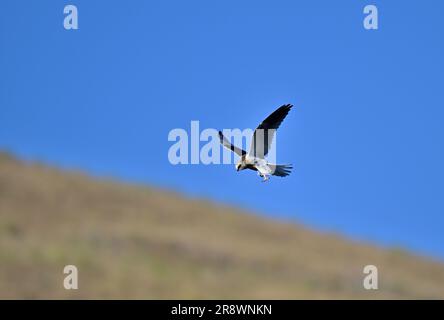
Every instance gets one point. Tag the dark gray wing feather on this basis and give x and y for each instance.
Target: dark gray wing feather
(264, 133)
(224, 141)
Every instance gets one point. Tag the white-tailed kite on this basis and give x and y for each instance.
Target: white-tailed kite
(261, 142)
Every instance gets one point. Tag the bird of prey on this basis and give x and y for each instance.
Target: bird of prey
(260, 144)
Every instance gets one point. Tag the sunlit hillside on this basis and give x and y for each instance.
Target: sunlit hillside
(133, 241)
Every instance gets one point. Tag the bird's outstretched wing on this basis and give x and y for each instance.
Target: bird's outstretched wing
(224, 141)
(264, 133)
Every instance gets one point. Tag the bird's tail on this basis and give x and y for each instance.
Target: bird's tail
(281, 170)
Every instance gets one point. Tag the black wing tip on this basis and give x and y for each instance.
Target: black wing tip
(283, 110)
(286, 107)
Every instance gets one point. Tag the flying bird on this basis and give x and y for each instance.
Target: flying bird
(260, 144)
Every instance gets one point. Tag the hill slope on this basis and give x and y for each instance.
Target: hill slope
(137, 242)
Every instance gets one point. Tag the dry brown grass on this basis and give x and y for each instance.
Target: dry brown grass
(138, 242)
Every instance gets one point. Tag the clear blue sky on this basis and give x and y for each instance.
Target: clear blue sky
(365, 135)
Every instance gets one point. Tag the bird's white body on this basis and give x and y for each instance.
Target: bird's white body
(262, 166)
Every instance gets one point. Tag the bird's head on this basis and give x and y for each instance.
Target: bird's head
(240, 166)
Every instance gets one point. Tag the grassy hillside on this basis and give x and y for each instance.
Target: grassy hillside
(137, 242)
